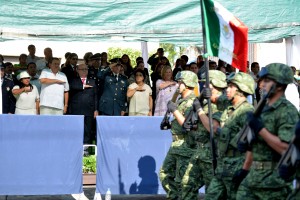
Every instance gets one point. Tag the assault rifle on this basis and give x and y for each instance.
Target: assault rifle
(191, 120)
(246, 135)
(165, 124)
(291, 156)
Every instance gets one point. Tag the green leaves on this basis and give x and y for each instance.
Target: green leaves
(89, 164)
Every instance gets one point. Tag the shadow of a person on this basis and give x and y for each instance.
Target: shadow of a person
(149, 182)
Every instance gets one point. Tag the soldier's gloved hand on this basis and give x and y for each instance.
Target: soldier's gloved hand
(197, 105)
(255, 123)
(171, 106)
(286, 172)
(206, 93)
(243, 147)
(239, 176)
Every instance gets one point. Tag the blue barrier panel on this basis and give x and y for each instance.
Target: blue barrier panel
(130, 153)
(40, 155)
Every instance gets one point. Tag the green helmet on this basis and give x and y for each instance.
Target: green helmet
(244, 81)
(217, 78)
(279, 72)
(189, 78)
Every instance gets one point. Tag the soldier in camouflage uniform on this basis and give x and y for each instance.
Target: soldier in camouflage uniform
(182, 146)
(273, 131)
(230, 169)
(287, 170)
(199, 170)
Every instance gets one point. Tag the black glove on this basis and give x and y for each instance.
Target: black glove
(196, 105)
(239, 176)
(297, 135)
(286, 172)
(243, 147)
(255, 123)
(206, 93)
(171, 106)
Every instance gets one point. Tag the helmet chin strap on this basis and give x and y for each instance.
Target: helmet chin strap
(238, 93)
(183, 90)
(272, 92)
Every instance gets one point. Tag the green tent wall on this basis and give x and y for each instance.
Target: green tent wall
(173, 21)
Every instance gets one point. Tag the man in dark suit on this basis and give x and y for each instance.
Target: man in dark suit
(70, 68)
(8, 100)
(153, 60)
(113, 89)
(84, 101)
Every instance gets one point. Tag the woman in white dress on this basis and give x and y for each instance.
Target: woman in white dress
(27, 96)
(140, 96)
(165, 88)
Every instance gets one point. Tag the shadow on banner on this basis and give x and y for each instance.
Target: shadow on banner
(149, 182)
(130, 153)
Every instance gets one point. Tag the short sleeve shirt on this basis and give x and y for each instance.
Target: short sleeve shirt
(52, 95)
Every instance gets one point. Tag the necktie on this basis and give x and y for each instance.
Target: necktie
(116, 76)
(83, 79)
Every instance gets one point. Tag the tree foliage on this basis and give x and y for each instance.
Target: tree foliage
(172, 52)
(116, 52)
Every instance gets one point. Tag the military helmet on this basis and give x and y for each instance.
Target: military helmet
(244, 81)
(217, 78)
(189, 78)
(279, 72)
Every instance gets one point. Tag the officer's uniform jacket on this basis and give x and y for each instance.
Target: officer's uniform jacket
(113, 93)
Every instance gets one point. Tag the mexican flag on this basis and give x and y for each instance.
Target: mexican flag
(226, 35)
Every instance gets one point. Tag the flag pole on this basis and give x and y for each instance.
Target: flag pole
(207, 83)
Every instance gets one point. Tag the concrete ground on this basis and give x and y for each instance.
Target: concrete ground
(89, 192)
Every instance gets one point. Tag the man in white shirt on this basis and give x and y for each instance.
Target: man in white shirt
(54, 95)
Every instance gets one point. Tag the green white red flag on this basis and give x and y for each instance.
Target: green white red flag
(226, 35)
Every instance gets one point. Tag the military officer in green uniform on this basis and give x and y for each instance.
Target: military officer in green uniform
(273, 131)
(230, 168)
(199, 170)
(182, 146)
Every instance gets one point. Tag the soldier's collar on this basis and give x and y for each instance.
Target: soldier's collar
(238, 104)
(278, 102)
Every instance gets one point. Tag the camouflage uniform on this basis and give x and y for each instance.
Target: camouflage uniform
(263, 181)
(182, 146)
(199, 171)
(229, 159)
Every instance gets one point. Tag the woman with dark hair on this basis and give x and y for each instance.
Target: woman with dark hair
(27, 96)
(125, 61)
(154, 77)
(140, 65)
(140, 95)
(104, 62)
(70, 67)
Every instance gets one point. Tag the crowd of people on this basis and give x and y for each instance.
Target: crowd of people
(115, 88)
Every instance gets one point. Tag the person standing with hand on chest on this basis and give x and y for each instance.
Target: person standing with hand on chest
(84, 100)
